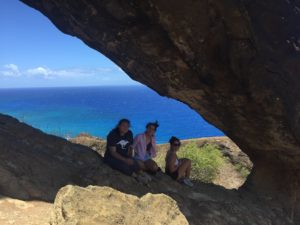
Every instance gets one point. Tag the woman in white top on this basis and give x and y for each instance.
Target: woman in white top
(178, 169)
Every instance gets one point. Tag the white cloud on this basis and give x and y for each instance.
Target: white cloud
(42, 72)
(47, 73)
(39, 71)
(10, 70)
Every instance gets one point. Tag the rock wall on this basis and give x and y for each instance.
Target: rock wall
(236, 62)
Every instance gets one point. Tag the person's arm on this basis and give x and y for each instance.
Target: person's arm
(154, 148)
(135, 141)
(115, 154)
(135, 144)
(171, 163)
(130, 148)
(130, 151)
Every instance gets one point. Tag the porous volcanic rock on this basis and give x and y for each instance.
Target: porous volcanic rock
(107, 206)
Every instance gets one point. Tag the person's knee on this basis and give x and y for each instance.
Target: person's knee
(186, 161)
(124, 168)
(141, 164)
(151, 165)
(154, 167)
(137, 166)
(189, 161)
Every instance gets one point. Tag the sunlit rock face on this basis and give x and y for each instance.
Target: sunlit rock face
(235, 62)
(104, 205)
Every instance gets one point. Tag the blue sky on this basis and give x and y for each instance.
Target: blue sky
(34, 53)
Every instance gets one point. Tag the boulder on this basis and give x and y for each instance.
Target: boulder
(106, 206)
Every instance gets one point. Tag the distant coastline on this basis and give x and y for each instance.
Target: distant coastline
(83, 136)
(63, 87)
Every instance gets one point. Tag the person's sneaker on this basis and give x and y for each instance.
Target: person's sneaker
(188, 182)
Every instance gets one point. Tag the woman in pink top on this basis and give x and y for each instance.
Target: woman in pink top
(144, 146)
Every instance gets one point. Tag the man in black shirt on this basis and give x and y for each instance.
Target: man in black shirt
(119, 150)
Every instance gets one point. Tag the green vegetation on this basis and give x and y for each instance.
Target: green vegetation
(206, 160)
(160, 159)
(242, 170)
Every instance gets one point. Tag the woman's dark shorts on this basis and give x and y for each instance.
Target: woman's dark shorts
(122, 166)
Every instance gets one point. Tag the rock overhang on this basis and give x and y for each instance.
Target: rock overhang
(235, 62)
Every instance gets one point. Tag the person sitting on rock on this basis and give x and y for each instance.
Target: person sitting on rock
(118, 154)
(178, 169)
(144, 146)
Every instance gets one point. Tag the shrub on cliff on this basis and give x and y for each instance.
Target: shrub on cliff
(206, 160)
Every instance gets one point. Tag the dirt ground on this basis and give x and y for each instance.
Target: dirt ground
(18, 212)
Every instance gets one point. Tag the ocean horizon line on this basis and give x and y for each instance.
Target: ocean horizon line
(84, 86)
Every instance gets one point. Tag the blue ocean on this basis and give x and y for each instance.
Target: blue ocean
(68, 111)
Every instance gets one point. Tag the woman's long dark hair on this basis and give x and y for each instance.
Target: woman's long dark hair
(124, 120)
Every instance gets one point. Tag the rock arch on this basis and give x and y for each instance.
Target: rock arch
(236, 63)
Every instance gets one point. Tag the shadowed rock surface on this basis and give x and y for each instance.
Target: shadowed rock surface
(235, 62)
(35, 165)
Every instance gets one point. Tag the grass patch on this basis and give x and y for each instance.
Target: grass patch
(242, 170)
(206, 160)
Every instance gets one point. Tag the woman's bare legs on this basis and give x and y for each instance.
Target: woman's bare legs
(184, 169)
